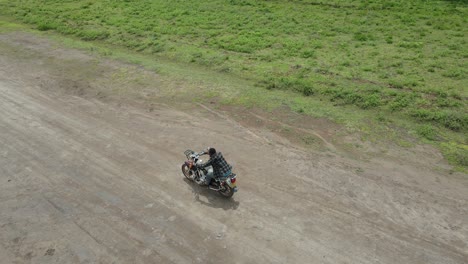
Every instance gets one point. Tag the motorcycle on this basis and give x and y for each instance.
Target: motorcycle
(225, 186)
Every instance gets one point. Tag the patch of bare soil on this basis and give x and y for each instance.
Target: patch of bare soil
(90, 173)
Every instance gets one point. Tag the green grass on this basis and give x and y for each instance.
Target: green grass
(404, 59)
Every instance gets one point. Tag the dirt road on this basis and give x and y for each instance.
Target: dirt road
(87, 181)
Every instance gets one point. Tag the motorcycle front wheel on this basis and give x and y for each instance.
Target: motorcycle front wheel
(187, 172)
(227, 191)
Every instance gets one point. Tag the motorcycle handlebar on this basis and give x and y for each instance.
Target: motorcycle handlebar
(192, 154)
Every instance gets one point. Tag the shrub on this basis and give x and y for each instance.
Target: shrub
(446, 102)
(353, 98)
(452, 120)
(455, 74)
(370, 101)
(426, 131)
(44, 26)
(401, 101)
(308, 90)
(360, 36)
(308, 54)
(456, 153)
(389, 40)
(93, 34)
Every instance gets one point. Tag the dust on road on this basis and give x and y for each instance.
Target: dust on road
(88, 181)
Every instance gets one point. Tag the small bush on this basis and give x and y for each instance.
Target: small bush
(44, 26)
(360, 36)
(371, 101)
(389, 40)
(308, 90)
(452, 120)
(92, 34)
(456, 95)
(335, 93)
(455, 74)
(426, 131)
(457, 154)
(446, 102)
(353, 98)
(308, 54)
(399, 102)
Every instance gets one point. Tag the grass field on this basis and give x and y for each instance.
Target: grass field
(405, 59)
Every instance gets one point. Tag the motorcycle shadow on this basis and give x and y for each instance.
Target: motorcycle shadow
(213, 199)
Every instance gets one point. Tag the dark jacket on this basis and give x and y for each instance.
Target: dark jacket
(220, 166)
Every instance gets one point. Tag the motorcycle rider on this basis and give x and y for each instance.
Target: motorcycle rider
(220, 167)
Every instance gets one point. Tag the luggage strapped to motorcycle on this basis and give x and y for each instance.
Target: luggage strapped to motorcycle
(188, 152)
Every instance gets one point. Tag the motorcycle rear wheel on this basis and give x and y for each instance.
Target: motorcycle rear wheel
(186, 171)
(227, 192)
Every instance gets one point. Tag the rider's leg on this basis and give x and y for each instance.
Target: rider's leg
(208, 178)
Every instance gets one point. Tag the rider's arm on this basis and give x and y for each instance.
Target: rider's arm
(204, 152)
(208, 163)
